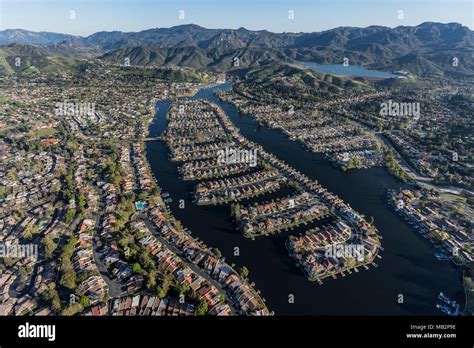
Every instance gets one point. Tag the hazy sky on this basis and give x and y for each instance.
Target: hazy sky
(90, 16)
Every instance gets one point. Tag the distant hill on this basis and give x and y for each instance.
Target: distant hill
(26, 59)
(268, 74)
(217, 59)
(426, 49)
(26, 37)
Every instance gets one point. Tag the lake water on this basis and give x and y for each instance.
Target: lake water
(350, 70)
(408, 266)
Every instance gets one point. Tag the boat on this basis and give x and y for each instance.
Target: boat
(446, 299)
(446, 310)
(442, 257)
(443, 308)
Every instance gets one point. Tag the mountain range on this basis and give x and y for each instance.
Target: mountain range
(426, 49)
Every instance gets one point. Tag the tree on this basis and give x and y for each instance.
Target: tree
(377, 149)
(3, 192)
(136, 268)
(146, 261)
(49, 246)
(235, 210)
(69, 215)
(266, 165)
(85, 301)
(184, 289)
(23, 272)
(217, 252)
(72, 309)
(69, 249)
(294, 184)
(151, 281)
(221, 297)
(371, 220)
(162, 290)
(81, 202)
(202, 308)
(8, 261)
(143, 196)
(379, 126)
(350, 262)
(28, 232)
(68, 279)
(244, 272)
(51, 296)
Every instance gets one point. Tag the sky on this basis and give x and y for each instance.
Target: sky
(84, 17)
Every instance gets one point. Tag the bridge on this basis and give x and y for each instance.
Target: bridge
(152, 138)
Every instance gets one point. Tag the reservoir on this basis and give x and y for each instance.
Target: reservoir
(350, 70)
(408, 266)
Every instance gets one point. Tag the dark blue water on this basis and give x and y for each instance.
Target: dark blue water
(408, 266)
(350, 70)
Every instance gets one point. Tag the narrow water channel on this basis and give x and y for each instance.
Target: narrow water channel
(408, 266)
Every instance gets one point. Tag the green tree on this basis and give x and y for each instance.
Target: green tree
(162, 290)
(137, 268)
(244, 272)
(294, 184)
(49, 246)
(202, 308)
(81, 202)
(143, 196)
(85, 301)
(28, 232)
(72, 309)
(266, 165)
(151, 281)
(371, 220)
(69, 215)
(217, 252)
(68, 279)
(51, 296)
(235, 210)
(350, 262)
